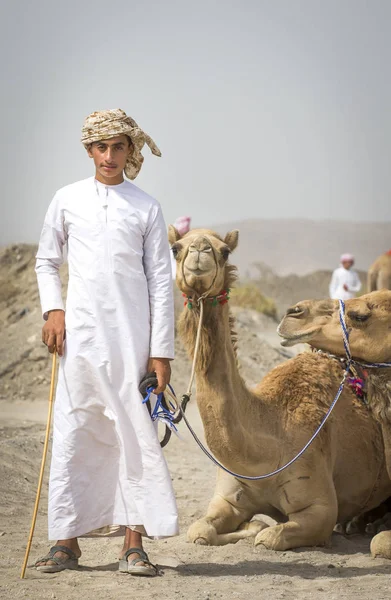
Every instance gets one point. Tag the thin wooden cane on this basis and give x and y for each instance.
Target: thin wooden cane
(45, 451)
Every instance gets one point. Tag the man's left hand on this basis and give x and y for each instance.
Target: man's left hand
(162, 368)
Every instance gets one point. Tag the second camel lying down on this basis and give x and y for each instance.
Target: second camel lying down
(252, 432)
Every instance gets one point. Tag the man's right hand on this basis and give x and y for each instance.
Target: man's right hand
(53, 332)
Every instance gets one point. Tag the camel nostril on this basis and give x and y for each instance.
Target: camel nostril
(201, 249)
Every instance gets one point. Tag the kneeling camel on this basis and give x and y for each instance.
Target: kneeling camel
(368, 321)
(254, 431)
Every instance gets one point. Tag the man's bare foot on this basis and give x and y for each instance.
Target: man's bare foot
(72, 544)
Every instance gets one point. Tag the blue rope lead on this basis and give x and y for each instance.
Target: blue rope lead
(160, 412)
(280, 469)
(350, 361)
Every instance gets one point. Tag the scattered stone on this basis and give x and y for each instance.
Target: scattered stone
(22, 313)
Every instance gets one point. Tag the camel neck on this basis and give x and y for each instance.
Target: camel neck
(379, 393)
(224, 401)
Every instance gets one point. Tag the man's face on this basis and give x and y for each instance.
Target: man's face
(347, 264)
(110, 155)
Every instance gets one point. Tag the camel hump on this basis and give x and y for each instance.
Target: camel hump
(304, 385)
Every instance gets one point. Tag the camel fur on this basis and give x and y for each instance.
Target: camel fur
(368, 320)
(254, 431)
(379, 274)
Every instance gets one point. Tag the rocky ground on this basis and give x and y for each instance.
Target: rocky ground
(286, 290)
(342, 570)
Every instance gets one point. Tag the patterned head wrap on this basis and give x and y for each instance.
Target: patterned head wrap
(107, 124)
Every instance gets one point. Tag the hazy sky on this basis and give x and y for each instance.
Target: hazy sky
(262, 108)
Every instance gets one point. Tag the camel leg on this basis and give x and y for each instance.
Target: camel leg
(372, 281)
(228, 515)
(381, 545)
(308, 525)
(386, 432)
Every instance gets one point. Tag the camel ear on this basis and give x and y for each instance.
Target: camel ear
(232, 239)
(173, 235)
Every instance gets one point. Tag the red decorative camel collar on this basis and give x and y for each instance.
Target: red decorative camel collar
(221, 299)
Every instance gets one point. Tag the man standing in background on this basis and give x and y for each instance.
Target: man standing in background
(107, 471)
(345, 282)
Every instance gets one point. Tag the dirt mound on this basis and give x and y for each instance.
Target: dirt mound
(286, 290)
(25, 363)
(24, 359)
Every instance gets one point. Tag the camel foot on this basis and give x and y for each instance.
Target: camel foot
(381, 545)
(272, 538)
(371, 522)
(205, 534)
(202, 533)
(284, 537)
(379, 525)
(340, 528)
(253, 527)
(202, 542)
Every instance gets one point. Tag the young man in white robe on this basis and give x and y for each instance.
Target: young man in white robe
(345, 282)
(107, 468)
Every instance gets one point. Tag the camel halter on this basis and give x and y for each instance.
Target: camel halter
(345, 335)
(186, 397)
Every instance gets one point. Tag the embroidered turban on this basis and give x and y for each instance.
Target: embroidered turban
(107, 124)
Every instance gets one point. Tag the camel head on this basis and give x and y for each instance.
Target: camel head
(368, 320)
(202, 260)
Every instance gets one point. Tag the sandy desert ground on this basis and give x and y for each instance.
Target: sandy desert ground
(342, 570)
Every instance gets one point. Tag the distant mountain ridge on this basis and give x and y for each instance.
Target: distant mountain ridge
(301, 246)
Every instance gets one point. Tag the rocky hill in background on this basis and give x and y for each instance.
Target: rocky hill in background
(286, 290)
(24, 360)
(25, 364)
(303, 246)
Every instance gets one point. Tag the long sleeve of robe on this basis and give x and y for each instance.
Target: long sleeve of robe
(53, 239)
(107, 469)
(157, 264)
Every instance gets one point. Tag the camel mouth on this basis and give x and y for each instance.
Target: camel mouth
(198, 272)
(298, 338)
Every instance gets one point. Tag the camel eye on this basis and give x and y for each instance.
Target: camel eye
(175, 250)
(358, 317)
(295, 310)
(225, 253)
